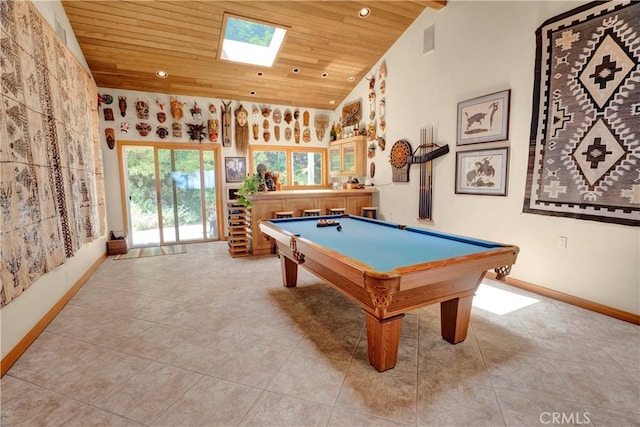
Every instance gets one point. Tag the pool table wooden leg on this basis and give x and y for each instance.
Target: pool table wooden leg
(454, 318)
(289, 270)
(383, 338)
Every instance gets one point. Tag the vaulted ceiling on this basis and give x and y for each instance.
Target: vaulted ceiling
(126, 42)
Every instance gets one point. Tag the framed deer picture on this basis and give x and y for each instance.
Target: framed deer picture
(482, 171)
(484, 119)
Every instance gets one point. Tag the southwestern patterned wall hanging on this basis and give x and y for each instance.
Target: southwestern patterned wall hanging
(51, 184)
(584, 153)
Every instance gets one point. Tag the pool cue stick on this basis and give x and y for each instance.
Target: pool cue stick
(421, 200)
(428, 189)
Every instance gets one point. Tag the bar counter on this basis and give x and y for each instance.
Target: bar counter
(266, 203)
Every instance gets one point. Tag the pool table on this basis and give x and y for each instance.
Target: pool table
(390, 269)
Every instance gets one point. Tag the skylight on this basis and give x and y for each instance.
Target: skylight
(250, 42)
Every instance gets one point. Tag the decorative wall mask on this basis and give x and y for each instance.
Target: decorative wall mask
(320, 122)
(382, 70)
(371, 150)
(256, 130)
(372, 105)
(276, 132)
(296, 114)
(226, 124)
(122, 104)
(212, 109)
(124, 127)
(213, 130)
(176, 109)
(371, 131)
(162, 116)
(372, 82)
(265, 124)
(110, 135)
(162, 132)
(107, 99)
(176, 129)
(242, 128)
(143, 128)
(277, 116)
(196, 112)
(255, 111)
(287, 134)
(382, 106)
(108, 114)
(382, 142)
(383, 86)
(287, 116)
(266, 111)
(197, 132)
(296, 132)
(306, 135)
(305, 118)
(266, 136)
(142, 109)
(383, 124)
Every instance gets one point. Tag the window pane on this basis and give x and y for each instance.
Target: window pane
(275, 161)
(307, 168)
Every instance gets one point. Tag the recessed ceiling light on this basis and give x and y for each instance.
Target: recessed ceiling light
(259, 74)
(324, 75)
(351, 78)
(252, 93)
(332, 102)
(364, 12)
(162, 74)
(296, 70)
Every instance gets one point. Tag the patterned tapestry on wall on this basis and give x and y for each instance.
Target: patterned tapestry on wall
(584, 153)
(51, 183)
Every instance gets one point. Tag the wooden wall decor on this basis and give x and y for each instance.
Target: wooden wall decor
(242, 128)
(51, 183)
(226, 124)
(351, 114)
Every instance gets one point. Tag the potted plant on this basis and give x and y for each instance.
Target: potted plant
(250, 185)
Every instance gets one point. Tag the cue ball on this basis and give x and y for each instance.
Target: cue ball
(339, 228)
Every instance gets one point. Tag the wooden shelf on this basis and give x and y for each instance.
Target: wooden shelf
(238, 239)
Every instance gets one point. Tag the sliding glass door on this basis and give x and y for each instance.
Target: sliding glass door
(170, 193)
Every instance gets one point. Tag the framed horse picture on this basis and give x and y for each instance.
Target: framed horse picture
(484, 119)
(482, 171)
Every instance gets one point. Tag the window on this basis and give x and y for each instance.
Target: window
(305, 166)
(249, 41)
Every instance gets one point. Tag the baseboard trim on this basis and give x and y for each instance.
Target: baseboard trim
(570, 299)
(13, 356)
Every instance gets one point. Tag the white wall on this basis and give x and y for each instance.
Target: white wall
(21, 315)
(482, 48)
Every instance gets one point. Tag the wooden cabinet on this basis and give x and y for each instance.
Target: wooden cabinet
(348, 157)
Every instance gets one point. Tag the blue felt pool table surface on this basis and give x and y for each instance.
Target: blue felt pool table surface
(382, 245)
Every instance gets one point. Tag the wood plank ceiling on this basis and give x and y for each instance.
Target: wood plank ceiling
(126, 42)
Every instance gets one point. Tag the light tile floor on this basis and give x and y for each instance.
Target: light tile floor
(201, 339)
